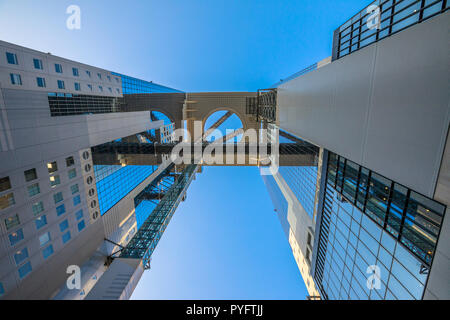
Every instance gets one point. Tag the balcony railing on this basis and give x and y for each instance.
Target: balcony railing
(263, 106)
(368, 26)
(296, 75)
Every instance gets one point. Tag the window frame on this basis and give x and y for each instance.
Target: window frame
(15, 60)
(39, 66)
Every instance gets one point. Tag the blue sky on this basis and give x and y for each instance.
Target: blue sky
(195, 45)
(225, 241)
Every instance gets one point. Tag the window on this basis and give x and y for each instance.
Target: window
(117, 80)
(77, 86)
(37, 208)
(47, 252)
(58, 197)
(40, 82)
(99, 76)
(54, 181)
(118, 90)
(12, 222)
(79, 215)
(44, 239)
(70, 161)
(5, 184)
(81, 226)
(52, 167)
(58, 68)
(72, 173)
(308, 256)
(76, 200)
(11, 58)
(25, 269)
(61, 85)
(109, 78)
(66, 237)
(6, 201)
(75, 72)
(41, 222)
(33, 190)
(63, 226)
(30, 175)
(38, 64)
(16, 237)
(89, 86)
(21, 255)
(16, 79)
(100, 88)
(75, 189)
(110, 90)
(2, 290)
(60, 210)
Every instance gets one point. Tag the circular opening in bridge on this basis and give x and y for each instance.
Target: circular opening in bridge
(223, 125)
(157, 116)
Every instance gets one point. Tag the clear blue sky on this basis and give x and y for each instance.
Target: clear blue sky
(225, 241)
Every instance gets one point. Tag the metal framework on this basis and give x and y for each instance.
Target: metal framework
(217, 124)
(263, 106)
(299, 147)
(158, 188)
(144, 242)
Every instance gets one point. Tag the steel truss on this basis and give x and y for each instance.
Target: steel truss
(263, 106)
(144, 242)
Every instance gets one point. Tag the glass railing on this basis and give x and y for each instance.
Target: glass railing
(411, 218)
(382, 19)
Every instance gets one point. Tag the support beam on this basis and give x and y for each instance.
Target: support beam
(217, 124)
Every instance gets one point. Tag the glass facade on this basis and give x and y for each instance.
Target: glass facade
(147, 200)
(302, 178)
(115, 182)
(411, 218)
(67, 104)
(132, 85)
(279, 202)
(372, 224)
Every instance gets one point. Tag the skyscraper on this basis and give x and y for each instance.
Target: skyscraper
(58, 205)
(360, 186)
(373, 214)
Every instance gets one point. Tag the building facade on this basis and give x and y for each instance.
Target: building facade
(57, 205)
(380, 211)
(362, 197)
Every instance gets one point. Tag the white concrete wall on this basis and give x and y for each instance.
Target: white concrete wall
(119, 281)
(29, 73)
(385, 107)
(30, 139)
